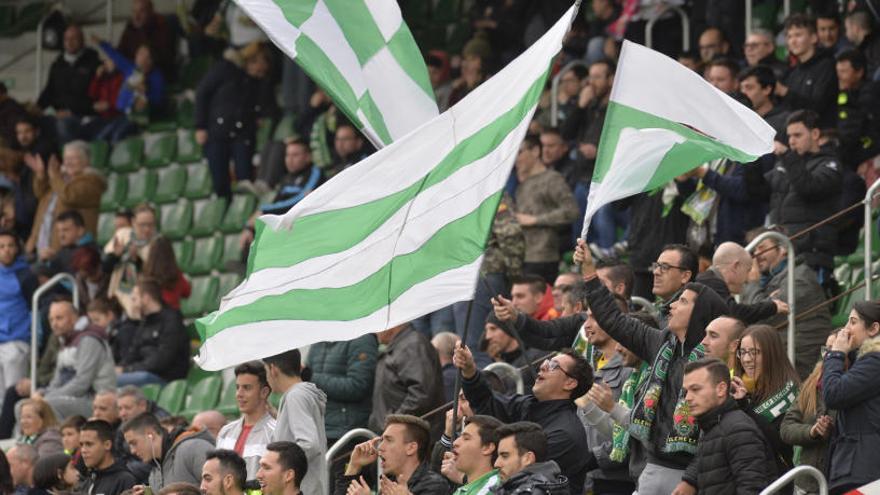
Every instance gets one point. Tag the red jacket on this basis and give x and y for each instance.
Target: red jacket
(180, 290)
(545, 310)
(106, 88)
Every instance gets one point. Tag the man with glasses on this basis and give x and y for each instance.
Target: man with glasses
(676, 266)
(560, 381)
(760, 49)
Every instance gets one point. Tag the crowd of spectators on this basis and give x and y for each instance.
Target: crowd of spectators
(655, 362)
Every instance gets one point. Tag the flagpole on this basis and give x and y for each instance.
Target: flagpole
(458, 377)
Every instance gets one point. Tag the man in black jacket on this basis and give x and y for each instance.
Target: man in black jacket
(732, 456)
(159, 352)
(812, 83)
(106, 475)
(522, 462)
(560, 381)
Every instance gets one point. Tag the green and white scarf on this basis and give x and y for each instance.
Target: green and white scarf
(777, 404)
(619, 434)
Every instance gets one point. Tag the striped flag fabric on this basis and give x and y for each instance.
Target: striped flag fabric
(396, 237)
(361, 53)
(663, 120)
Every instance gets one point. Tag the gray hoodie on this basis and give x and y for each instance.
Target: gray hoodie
(185, 453)
(301, 420)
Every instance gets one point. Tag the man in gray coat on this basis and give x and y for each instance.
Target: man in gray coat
(176, 456)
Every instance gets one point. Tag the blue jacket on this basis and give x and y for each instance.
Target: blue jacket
(738, 212)
(17, 285)
(155, 81)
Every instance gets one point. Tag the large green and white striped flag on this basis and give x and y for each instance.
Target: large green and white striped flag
(663, 120)
(361, 53)
(396, 237)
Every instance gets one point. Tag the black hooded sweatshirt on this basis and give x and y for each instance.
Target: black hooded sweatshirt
(645, 342)
(111, 481)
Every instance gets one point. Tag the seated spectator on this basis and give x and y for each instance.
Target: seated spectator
(55, 473)
(106, 474)
(159, 351)
(810, 330)
(732, 454)
(763, 390)
(104, 93)
(300, 414)
(857, 110)
(474, 454)
(231, 98)
(67, 89)
(106, 313)
(146, 27)
(70, 229)
(73, 185)
(348, 148)
(808, 423)
(524, 464)
(212, 421)
(140, 95)
(302, 178)
(531, 296)
(224, 473)
(849, 386)
(828, 29)
(812, 81)
(126, 254)
(404, 451)
(176, 456)
(17, 284)
(408, 377)
(248, 435)
(22, 389)
(92, 281)
(70, 434)
(22, 458)
(11, 112)
(161, 267)
(131, 402)
(39, 427)
(560, 381)
(282, 469)
(30, 138)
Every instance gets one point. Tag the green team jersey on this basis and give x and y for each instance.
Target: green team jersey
(481, 485)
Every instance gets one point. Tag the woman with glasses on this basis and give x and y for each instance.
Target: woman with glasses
(766, 385)
(855, 394)
(808, 424)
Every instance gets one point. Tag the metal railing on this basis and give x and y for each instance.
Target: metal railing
(509, 370)
(35, 316)
(789, 477)
(869, 237)
(339, 445)
(554, 89)
(685, 26)
(789, 278)
(645, 305)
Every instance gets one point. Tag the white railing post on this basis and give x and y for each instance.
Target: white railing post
(339, 445)
(789, 476)
(646, 305)
(35, 316)
(108, 29)
(869, 240)
(554, 89)
(748, 18)
(685, 26)
(789, 248)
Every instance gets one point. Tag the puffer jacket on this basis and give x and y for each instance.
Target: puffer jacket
(813, 85)
(541, 478)
(804, 190)
(645, 342)
(17, 284)
(345, 372)
(856, 397)
(160, 345)
(732, 457)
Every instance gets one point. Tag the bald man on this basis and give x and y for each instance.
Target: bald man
(211, 420)
(722, 337)
(727, 275)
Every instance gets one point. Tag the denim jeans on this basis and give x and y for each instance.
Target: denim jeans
(604, 225)
(219, 151)
(138, 378)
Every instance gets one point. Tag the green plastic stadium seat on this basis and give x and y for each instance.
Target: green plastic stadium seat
(203, 396)
(206, 253)
(231, 252)
(228, 404)
(106, 227)
(241, 208)
(195, 375)
(207, 214)
(159, 149)
(171, 181)
(115, 192)
(172, 397)
(127, 155)
(843, 273)
(183, 250)
(151, 391)
(186, 114)
(188, 150)
(227, 282)
(140, 188)
(198, 181)
(100, 150)
(176, 219)
(202, 299)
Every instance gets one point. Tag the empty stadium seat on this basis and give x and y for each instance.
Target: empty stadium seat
(100, 150)
(202, 299)
(207, 215)
(231, 252)
(127, 154)
(228, 404)
(151, 391)
(188, 150)
(115, 192)
(227, 282)
(198, 181)
(241, 208)
(172, 397)
(206, 253)
(176, 219)
(140, 188)
(203, 396)
(183, 250)
(171, 181)
(159, 149)
(106, 227)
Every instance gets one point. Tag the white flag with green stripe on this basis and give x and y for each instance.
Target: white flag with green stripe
(663, 120)
(398, 236)
(361, 53)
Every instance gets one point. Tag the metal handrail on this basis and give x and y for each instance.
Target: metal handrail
(339, 445)
(554, 89)
(789, 477)
(869, 213)
(509, 368)
(685, 27)
(38, 72)
(35, 315)
(789, 276)
(748, 18)
(646, 305)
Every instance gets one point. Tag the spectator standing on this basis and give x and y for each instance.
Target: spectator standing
(444, 343)
(474, 454)
(732, 455)
(722, 339)
(175, 456)
(70, 229)
(106, 474)
(523, 462)
(858, 110)
(146, 27)
(282, 469)
(503, 347)
(828, 30)
(860, 32)
(249, 435)
(67, 88)
(531, 295)
(757, 84)
(17, 284)
(224, 473)
(300, 413)
(348, 148)
(854, 394)
(811, 82)
(676, 266)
